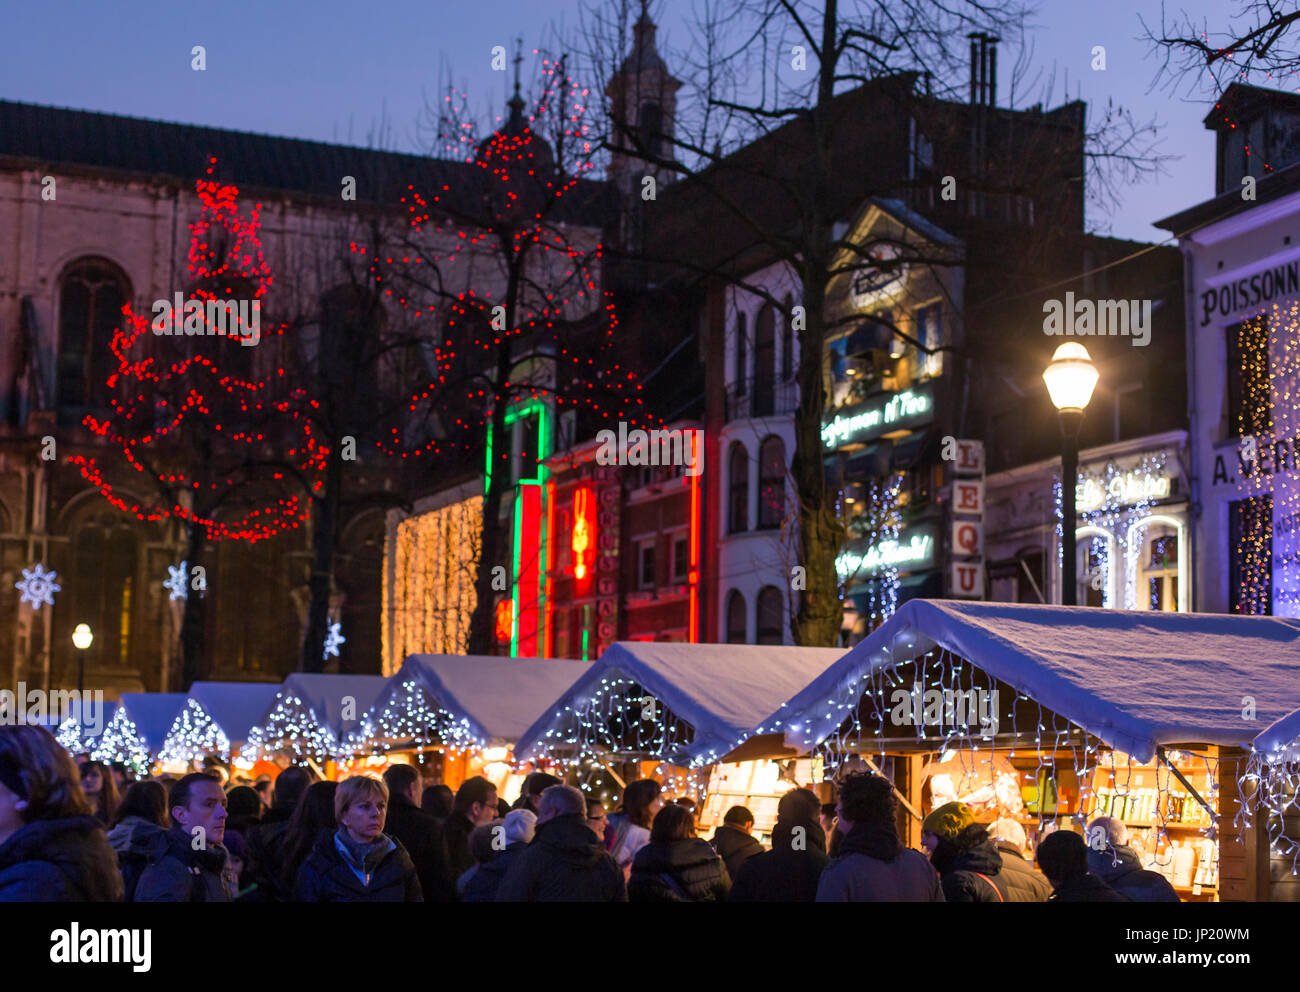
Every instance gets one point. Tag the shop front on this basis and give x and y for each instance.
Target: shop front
(1133, 535)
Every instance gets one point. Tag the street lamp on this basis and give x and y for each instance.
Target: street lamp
(81, 638)
(1071, 378)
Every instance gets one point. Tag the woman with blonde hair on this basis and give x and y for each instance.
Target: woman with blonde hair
(51, 847)
(358, 862)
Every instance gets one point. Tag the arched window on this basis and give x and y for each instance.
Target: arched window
(100, 593)
(738, 505)
(771, 483)
(764, 361)
(92, 293)
(787, 339)
(770, 626)
(735, 617)
(742, 355)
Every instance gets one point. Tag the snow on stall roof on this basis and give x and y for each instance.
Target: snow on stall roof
(324, 693)
(153, 714)
(721, 690)
(235, 707)
(1133, 679)
(1282, 733)
(500, 697)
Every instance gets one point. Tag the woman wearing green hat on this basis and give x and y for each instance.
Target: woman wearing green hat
(966, 858)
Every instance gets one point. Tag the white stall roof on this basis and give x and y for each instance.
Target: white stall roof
(324, 694)
(152, 713)
(1133, 679)
(500, 697)
(1282, 733)
(235, 707)
(721, 690)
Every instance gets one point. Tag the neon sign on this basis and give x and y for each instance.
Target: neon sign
(866, 422)
(1122, 490)
(916, 550)
(582, 541)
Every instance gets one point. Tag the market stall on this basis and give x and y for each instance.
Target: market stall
(1270, 802)
(682, 713)
(1054, 715)
(80, 735)
(138, 728)
(310, 717)
(216, 720)
(460, 715)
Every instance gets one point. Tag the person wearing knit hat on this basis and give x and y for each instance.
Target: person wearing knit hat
(968, 863)
(947, 822)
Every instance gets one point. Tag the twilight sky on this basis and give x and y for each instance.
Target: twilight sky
(331, 70)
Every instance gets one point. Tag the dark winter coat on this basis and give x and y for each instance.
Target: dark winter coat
(734, 847)
(961, 882)
(62, 860)
(421, 834)
(326, 876)
(783, 874)
(678, 871)
(455, 832)
(874, 866)
(178, 873)
(482, 886)
(1023, 882)
(1086, 888)
(566, 862)
(266, 854)
(1121, 869)
(144, 845)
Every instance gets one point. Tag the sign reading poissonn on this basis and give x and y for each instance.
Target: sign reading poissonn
(878, 415)
(1250, 291)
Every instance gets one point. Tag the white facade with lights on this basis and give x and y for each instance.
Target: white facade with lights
(1134, 543)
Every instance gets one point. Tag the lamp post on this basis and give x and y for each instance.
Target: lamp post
(81, 639)
(1070, 378)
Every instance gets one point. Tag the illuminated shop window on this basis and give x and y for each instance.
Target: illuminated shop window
(1095, 549)
(1157, 580)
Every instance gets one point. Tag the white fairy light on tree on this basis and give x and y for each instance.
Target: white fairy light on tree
(194, 735)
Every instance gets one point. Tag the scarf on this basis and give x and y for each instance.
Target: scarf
(363, 858)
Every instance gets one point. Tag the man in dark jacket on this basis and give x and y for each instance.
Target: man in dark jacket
(419, 832)
(1023, 883)
(1112, 860)
(474, 806)
(190, 861)
(266, 840)
(965, 857)
(566, 862)
(1063, 857)
(873, 865)
(517, 832)
(790, 871)
(734, 841)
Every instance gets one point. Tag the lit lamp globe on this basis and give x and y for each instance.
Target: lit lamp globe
(1071, 377)
(82, 636)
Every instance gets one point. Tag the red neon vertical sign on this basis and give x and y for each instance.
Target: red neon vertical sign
(528, 581)
(693, 574)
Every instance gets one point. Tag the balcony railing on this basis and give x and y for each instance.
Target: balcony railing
(765, 398)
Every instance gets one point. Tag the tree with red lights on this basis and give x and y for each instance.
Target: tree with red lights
(201, 419)
(517, 294)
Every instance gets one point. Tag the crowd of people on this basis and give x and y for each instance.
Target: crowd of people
(88, 832)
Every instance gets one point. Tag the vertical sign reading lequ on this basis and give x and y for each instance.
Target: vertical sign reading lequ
(967, 578)
(607, 562)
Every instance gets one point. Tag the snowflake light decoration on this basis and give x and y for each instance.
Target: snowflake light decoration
(333, 639)
(37, 586)
(175, 583)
